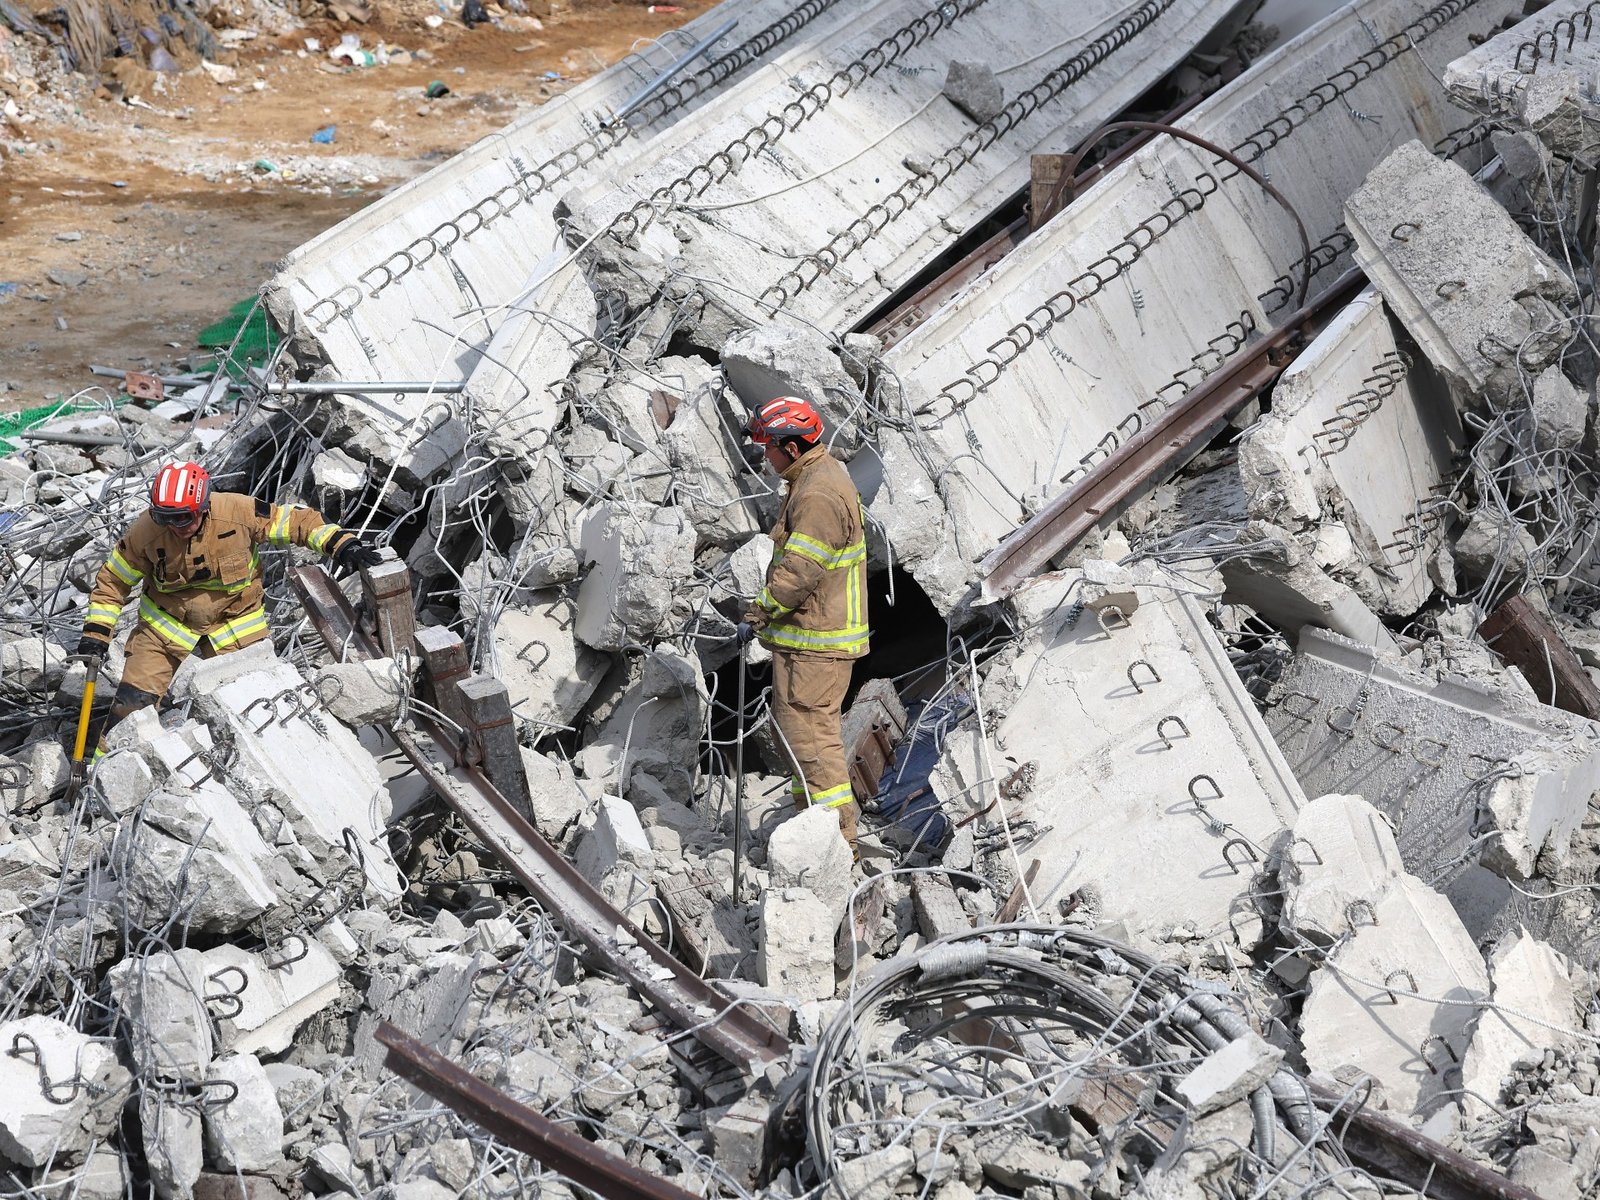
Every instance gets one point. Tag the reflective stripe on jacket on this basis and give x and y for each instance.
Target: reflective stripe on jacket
(816, 591)
(209, 585)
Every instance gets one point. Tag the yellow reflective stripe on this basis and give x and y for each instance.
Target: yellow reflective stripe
(278, 531)
(179, 634)
(123, 569)
(321, 536)
(823, 554)
(791, 637)
(103, 614)
(766, 601)
(231, 632)
(833, 797)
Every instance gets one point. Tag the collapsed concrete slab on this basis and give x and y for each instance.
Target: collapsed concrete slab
(548, 671)
(1167, 754)
(1360, 431)
(160, 1001)
(1480, 298)
(1083, 335)
(1446, 759)
(264, 998)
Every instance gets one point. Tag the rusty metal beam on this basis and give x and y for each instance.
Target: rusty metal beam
(1529, 641)
(1143, 460)
(732, 1031)
(519, 1127)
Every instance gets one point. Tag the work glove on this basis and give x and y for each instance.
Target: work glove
(745, 632)
(92, 647)
(354, 553)
(755, 620)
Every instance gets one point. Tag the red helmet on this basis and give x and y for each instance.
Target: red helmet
(784, 418)
(180, 493)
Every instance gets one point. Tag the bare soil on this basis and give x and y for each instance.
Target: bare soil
(126, 228)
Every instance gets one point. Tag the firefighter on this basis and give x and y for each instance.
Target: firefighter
(197, 553)
(812, 613)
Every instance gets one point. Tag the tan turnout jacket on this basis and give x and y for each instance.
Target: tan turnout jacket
(208, 585)
(815, 599)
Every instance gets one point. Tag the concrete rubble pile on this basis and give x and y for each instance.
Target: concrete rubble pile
(1253, 816)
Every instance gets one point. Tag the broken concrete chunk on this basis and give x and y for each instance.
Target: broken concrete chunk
(701, 449)
(617, 839)
(639, 556)
(30, 666)
(1341, 855)
(173, 1145)
(795, 953)
(1560, 412)
(974, 88)
(1530, 978)
(123, 781)
(768, 361)
(808, 851)
(363, 693)
(244, 1132)
(274, 994)
(1359, 1013)
(52, 1062)
(554, 797)
(163, 1017)
(548, 672)
(1477, 294)
(1230, 1074)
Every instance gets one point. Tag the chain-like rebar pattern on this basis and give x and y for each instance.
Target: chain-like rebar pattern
(918, 187)
(983, 374)
(732, 157)
(1534, 50)
(528, 183)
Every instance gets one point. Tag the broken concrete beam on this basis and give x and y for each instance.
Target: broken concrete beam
(173, 1144)
(1340, 854)
(794, 956)
(61, 1091)
(1374, 1004)
(543, 664)
(1535, 1002)
(1152, 700)
(273, 993)
(1359, 430)
(639, 556)
(1437, 753)
(244, 1127)
(1528, 640)
(1480, 298)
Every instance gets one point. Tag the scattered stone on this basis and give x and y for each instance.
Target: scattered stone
(795, 951)
(975, 89)
(1230, 1074)
(34, 1128)
(808, 851)
(244, 1133)
(363, 693)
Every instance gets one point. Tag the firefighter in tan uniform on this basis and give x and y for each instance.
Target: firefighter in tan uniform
(812, 613)
(196, 552)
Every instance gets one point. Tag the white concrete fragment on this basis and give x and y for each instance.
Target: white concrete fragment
(33, 1129)
(1528, 978)
(975, 90)
(795, 952)
(639, 555)
(548, 672)
(647, 731)
(808, 851)
(161, 1006)
(31, 666)
(616, 839)
(1359, 1015)
(1229, 1074)
(246, 1132)
(123, 781)
(553, 793)
(1462, 276)
(1342, 852)
(173, 1144)
(363, 693)
(276, 997)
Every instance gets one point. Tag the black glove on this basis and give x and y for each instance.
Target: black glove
(354, 553)
(91, 647)
(745, 632)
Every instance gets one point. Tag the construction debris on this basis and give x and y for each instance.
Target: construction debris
(1245, 846)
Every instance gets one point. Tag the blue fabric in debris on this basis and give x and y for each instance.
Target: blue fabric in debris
(905, 795)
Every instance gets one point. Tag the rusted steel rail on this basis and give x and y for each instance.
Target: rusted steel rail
(519, 1127)
(1142, 459)
(1390, 1148)
(733, 1031)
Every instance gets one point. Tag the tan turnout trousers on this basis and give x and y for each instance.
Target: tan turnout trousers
(807, 698)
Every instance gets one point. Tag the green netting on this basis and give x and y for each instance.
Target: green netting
(12, 423)
(256, 338)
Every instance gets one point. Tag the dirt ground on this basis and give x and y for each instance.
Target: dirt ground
(126, 228)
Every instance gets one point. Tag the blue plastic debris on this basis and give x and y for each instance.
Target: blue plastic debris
(324, 136)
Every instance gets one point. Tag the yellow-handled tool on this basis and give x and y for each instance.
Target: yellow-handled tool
(81, 743)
